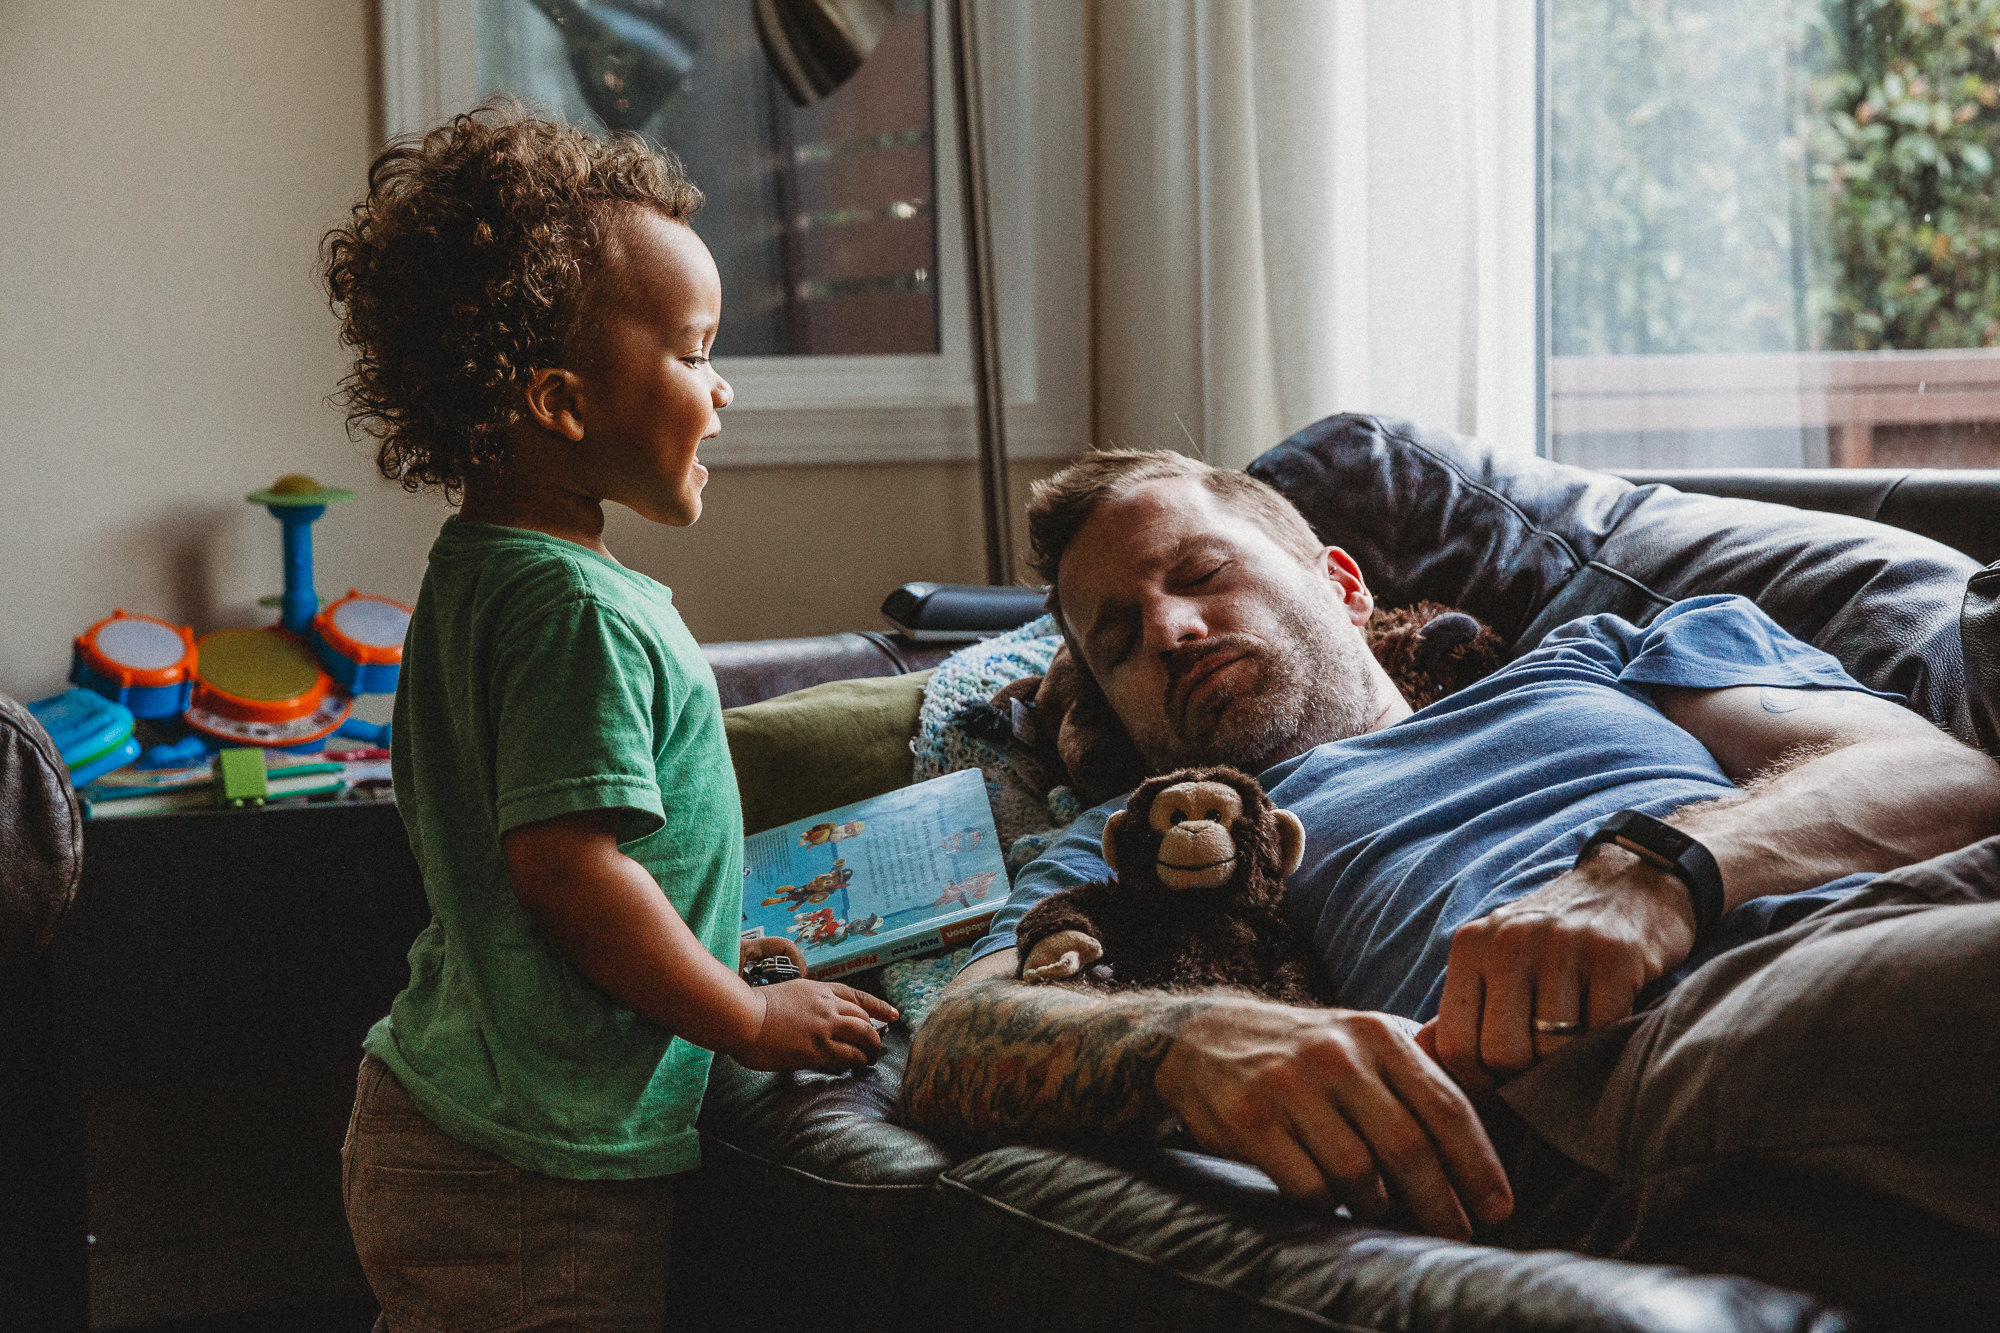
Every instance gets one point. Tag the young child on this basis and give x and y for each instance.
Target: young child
(531, 317)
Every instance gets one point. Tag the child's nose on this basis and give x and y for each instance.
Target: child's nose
(723, 395)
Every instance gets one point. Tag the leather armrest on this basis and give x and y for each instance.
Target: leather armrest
(755, 669)
(41, 834)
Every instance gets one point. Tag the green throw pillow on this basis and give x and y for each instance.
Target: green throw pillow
(812, 750)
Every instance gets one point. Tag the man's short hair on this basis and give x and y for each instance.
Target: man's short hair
(1060, 506)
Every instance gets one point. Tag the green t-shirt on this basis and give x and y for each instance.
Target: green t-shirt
(540, 678)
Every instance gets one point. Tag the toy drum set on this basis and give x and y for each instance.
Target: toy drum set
(286, 686)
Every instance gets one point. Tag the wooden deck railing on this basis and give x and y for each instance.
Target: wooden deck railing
(1849, 393)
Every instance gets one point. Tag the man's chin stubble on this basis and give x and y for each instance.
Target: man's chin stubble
(1255, 728)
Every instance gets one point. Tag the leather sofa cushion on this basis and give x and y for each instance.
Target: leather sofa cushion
(1046, 1239)
(1525, 544)
(838, 1129)
(809, 1190)
(41, 834)
(1979, 629)
(817, 748)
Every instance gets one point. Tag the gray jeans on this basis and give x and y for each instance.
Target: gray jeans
(456, 1240)
(1819, 1108)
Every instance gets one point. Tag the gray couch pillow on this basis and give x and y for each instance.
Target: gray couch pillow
(1525, 544)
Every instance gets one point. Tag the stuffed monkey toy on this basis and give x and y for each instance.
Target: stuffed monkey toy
(1199, 858)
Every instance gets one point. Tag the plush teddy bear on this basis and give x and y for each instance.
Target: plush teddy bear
(1428, 651)
(1199, 857)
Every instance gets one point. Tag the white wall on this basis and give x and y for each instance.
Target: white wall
(165, 348)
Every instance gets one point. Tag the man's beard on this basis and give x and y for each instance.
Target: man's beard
(1307, 684)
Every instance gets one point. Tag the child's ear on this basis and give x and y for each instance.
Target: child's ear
(555, 403)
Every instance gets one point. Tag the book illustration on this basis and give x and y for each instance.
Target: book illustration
(967, 891)
(822, 928)
(910, 872)
(815, 890)
(825, 834)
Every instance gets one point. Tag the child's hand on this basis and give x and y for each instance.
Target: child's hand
(819, 1025)
(749, 951)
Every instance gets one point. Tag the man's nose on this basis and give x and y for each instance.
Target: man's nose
(1172, 622)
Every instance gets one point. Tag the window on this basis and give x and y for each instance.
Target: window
(1773, 232)
(837, 228)
(821, 219)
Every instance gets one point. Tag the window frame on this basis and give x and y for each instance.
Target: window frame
(816, 410)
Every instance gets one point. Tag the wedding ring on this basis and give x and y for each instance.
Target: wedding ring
(1558, 1027)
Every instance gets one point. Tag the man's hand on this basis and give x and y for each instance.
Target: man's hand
(1338, 1105)
(1576, 951)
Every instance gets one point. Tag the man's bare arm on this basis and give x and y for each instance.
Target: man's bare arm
(1331, 1104)
(1836, 781)
(998, 1060)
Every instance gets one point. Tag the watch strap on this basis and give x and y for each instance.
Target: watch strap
(1667, 848)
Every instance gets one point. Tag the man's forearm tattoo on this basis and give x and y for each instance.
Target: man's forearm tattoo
(1000, 1060)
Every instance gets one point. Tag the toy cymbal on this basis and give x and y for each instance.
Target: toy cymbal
(296, 488)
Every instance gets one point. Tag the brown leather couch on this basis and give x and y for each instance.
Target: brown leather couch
(814, 1207)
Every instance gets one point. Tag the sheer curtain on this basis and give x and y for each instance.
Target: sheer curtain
(1311, 206)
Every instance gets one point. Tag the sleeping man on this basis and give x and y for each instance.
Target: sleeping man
(1817, 1105)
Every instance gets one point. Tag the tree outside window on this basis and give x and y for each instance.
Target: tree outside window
(1783, 185)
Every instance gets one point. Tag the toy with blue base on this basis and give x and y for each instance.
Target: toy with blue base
(142, 662)
(289, 686)
(93, 734)
(292, 686)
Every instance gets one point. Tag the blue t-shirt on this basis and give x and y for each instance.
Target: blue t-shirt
(1489, 794)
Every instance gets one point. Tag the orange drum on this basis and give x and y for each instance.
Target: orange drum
(263, 687)
(360, 641)
(143, 662)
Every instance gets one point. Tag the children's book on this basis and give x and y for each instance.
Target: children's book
(911, 872)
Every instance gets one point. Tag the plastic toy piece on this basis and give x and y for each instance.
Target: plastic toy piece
(142, 662)
(187, 750)
(126, 751)
(359, 640)
(240, 778)
(85, 726)
(368, 733)
(772, 969)
(263, 687)
(297, 501)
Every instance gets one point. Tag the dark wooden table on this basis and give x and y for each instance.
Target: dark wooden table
(247, 949)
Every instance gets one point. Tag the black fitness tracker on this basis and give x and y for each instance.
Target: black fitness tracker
(1658, 843)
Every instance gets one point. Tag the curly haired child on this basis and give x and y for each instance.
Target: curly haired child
(531, 317)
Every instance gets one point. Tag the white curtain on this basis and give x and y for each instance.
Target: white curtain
(1312, 206)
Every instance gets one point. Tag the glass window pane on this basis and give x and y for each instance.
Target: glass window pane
(822, 219)
(1774, 233)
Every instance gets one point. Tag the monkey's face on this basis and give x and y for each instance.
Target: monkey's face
(1203, 832)
(1194, 820)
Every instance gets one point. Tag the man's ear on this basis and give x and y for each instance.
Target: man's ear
(555, 402)
(1291, 839)
(1346, 578)
(1111, 827)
